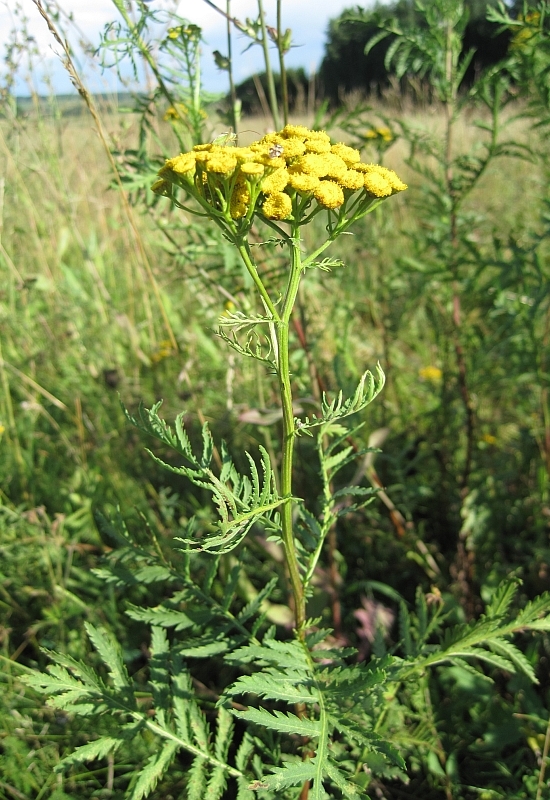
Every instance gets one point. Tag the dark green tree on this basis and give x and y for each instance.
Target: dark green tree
(346, 67)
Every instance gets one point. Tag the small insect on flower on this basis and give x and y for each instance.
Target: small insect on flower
(227, 139)
(276, 150)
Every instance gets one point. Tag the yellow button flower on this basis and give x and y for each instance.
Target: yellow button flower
(277, 206)
(349, 154)
(351, 180)
(275, 182)
(335, 166)
(296, 132)
(396, 183)
(293, 147)
(183, 163)
(305, 184)
(329, 194)
(317, 146)
(377, 185)
(223, 163)
(251, 169)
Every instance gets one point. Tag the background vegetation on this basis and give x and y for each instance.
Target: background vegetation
(107, 292)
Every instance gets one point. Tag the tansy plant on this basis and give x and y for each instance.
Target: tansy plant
(292, 716)
(286, 177)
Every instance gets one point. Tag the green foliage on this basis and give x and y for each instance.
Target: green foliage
(173, 666)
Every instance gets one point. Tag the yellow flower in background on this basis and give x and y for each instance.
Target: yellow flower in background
(384, 134)
(430, 373)
(488, 438)
(522, 37)
(2, 429)
(164, 350)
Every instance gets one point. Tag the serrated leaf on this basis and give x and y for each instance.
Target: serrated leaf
(337, 461)
(159, 673)
(292, 774)
(199, 727)
(154, 574)
(224, 734)
(203, 649)
(153, 771)
(338, 778)
(255, 605)
(279, 721)
(165, 617)
(246, 748)
(89, 752)
(511, 652)
(216, 784)
(503, 598)
(196, 785)
(273, 685)
(110, 652)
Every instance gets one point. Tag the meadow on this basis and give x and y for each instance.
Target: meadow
(111, 295)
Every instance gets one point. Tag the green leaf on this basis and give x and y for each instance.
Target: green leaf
(110, 652)
(154, 770)
(216, 784)
(511, 652)
(273, 685)
(196, 786)
(292, 774)
(159, 673)
(88, 752)
(224, 734)
(503, 598)
(279, 721)
(337, 777)
(367, 389)
(165, 617)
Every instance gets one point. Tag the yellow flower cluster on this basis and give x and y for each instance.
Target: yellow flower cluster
(379, 133)
(523, 36)
(430, 373)
(294, 164)
(164, 350)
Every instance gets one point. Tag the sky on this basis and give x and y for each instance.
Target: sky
(308, 20)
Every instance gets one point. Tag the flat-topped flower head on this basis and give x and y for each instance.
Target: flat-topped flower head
(348, 154)
(329, 194)
(377, 185)
(291, 174)
(277, 206)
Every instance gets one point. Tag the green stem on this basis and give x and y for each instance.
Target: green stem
(144, 50)
(289, 434)
(268, 71)
(242, 246)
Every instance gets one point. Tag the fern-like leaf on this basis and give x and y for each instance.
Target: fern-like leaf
(153, 771)
(367, 389)
(281, 722)
(89, 752)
